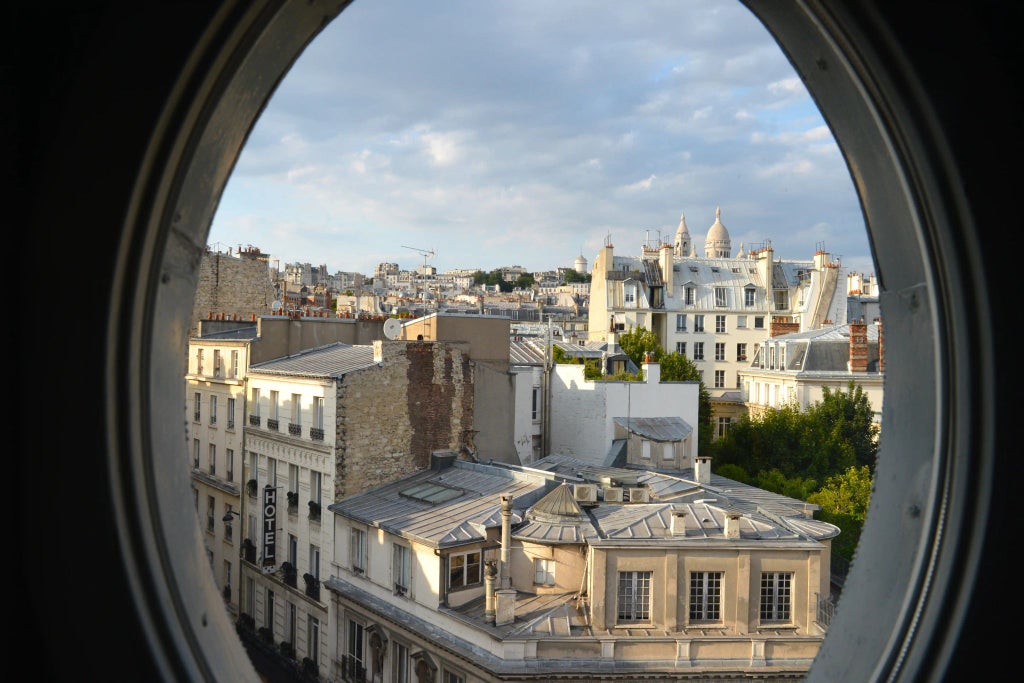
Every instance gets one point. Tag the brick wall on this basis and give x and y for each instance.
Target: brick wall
(395, 416)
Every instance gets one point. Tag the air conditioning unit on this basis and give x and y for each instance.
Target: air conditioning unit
(613, 494)
(585, 493)
(639, 494)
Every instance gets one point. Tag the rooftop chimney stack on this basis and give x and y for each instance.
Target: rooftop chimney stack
(858, 347)
(702, 469)
(678, 522)
(732, 525)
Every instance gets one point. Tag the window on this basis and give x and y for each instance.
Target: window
(199, 362)
(668, 451)
(464, 569)
(313, 638)
(274, 406)
(723, 426)
(680, 322)
(400, 569)
(705, 596)
(452, 677)
(314, 561)
(229, 456)
(231, 413)
(629, 296)
(776, 594)
(758, 322)
(741, 322)
(318, 412)
(210, 507)
(634, 596)
(272, 472)
(544, 571)
(645, 449)
(213, 410)
(748, 296)
(195, 454)
(213, 460)
(698, 350)
(719, 351)
(681, 348)
(782, 299)
(719, 324)
(535, 405)
(234, 363)
(719, 379)
(698, 323)
(353, 665)
(720, 298)
(293, 478)
(295, 424)
(216, 363)
(293, 550)
(688, 292)
(401, 663)
(229, 527)
(315, 492)
(254, 462)
(256, 403)
(357, 550)
(741, 351)
(197, 406)
(268, 620)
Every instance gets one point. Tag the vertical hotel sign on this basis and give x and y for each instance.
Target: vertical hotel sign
(269, 526)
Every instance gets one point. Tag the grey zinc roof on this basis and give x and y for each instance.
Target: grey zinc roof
(461, 519)
(328, 361)
(555, 518)
(824, 350)
(656, 428)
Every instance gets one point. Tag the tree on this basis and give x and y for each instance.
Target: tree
(848, 418)
(638, 342)
(525, 281)
(675, 367)
(572, 276)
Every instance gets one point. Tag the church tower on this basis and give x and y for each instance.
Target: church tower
(717, 244)
(683, 244)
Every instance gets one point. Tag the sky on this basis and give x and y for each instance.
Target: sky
(481, 134)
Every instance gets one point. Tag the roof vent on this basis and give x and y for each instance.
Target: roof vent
(585, 493)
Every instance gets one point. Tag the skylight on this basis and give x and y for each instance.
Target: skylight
(430, 492)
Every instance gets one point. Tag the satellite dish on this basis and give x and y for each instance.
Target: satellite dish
(392, 328)
(276, 305)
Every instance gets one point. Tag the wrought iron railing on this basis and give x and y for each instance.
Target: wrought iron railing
(272, 424)
(294, 429)
(254, 420)
(316, 434)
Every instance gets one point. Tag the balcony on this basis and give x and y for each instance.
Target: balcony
(294, 429)
(352, 670)
(289, 574)
(316, 434)
(254, 420)
(272, 424)
(312, 586)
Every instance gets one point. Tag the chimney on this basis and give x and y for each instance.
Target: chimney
(490, 574)
(858, 347)
(702, 469)
(678, 522)
(506, 540)
(652, 369)
(732, 524)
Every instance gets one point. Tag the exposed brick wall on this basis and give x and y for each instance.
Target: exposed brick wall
(231, 286)
(395, 416)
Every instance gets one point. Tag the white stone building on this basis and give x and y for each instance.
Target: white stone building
(716, 308)
(470, 573)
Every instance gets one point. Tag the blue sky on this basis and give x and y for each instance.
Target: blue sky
(529, 132)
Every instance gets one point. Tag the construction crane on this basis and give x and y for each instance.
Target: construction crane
(427, 254)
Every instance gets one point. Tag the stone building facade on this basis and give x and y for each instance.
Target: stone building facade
(238, 286)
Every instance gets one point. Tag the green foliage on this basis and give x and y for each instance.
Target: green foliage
(572, 276)
(734, 472)
(845, 543)
(848, 417)
(848, 493)
(560, 356)
(638, 342)
(492, 278)
(525, 281)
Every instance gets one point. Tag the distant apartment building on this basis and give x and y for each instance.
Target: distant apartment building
(470, 572)
(795, 368)
(715, 309)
